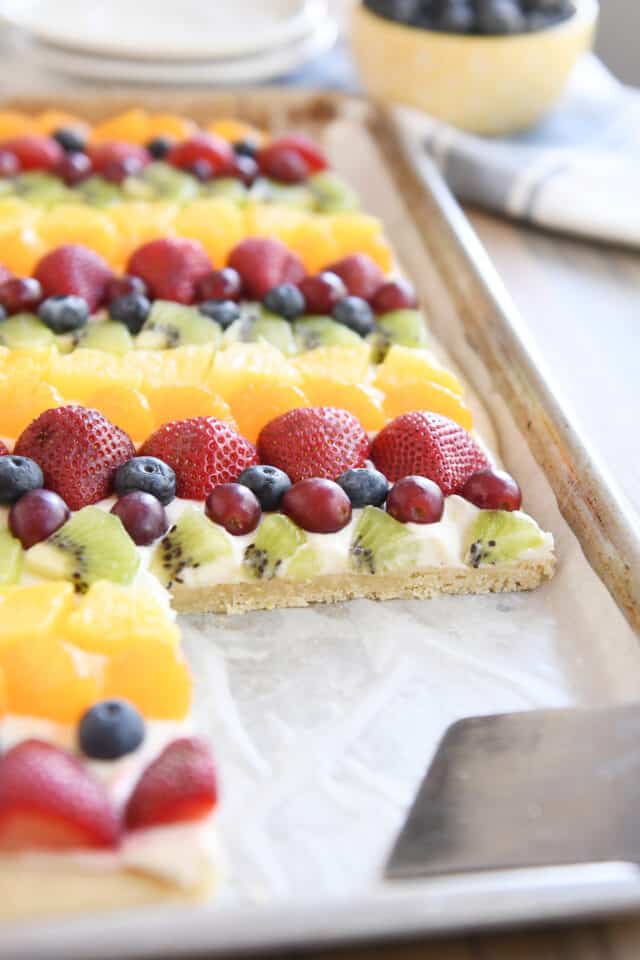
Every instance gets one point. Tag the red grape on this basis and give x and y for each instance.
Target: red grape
(415, 500)
(234, 507)
(122, 286)
(36, 515)
(322, 292)
(317, 505)
(245, 169)
(492, 489)
(223, 284)
(73, 168)
(286, 166)
(19, 293)
(143, 517)
(394, 295)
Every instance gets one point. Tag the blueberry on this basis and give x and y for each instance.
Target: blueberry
(355, 313)
(245, 149)
(364, 487)
(62, 314)
(500, 16)
(70, 141)
(268, 483)
(457, 17)
(159, 147)
(285, 300)
(148, 474)
(223, 312)
(110, 729)
(132, 310)
(18, 475)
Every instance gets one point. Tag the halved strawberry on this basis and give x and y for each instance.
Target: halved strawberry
(203, 452)
(78, 451)
(314, 442)
(171, 267)
(34, 152)
(264, 263)
(428, 445)
(74, 269)
(179, 785)
(298, 143)
(49, 801)
(203, 147)
(112, 153)
(361, 275)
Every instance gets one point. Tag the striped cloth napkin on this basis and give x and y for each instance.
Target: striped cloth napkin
(578, 171)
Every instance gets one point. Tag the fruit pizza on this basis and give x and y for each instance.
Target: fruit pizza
(207, 403)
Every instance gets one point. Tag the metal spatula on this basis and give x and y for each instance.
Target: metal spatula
(544, 788)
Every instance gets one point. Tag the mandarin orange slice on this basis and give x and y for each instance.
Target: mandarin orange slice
(184, 401)
(110, 618)
(36, 610)
(127, 407)
(154, 677)
(256, 403)
(402, 398)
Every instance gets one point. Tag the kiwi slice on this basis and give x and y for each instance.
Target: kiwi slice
(312, 332)
(190, 543)
(25, 331)
(226, 188)
(173, 325)
(331, 193)
(381, 544)
(278, 539)
(257, 323)
(109, 337)
(11, 557)
(297, 196)
(41, 188)
(98, 192)
(92, 545)
(500, 535)
(304, 564)
(165, 182)
(404, 327)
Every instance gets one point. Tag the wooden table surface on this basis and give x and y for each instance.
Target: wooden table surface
(582, 304)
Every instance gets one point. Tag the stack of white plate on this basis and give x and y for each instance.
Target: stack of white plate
(173, 41)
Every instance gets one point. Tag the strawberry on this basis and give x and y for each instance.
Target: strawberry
(207, 147)
(360, 274)
(113, 153)
(203, 452)
(428, 445)
(264, 263)
(297, 143)
(73, 269)
(314, 442)
(34, 152)
(179, 785)
(78, 451)
(171, 267)
(49, 801)
(287, 166)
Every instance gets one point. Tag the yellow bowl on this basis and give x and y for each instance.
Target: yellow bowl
(488, 85)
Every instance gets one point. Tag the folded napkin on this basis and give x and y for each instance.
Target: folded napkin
(577, 171)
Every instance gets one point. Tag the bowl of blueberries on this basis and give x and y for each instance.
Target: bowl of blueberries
(491, 67)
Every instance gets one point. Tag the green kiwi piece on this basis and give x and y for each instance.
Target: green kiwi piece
(275, 330)
(109, 337)
(278, 539)
(190, 543)
(381, 544)
(296, 195)
(499, 535)
(226, 188)
(404, 327)
(92, 545)
(25, 331)
(304, 564)
(42, 188)
(173, 325)
(98, 192)
(167, 183)
(331, 193)
(312, 332)
(11, 557)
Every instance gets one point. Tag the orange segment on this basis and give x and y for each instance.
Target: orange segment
(184, 401)
(78, 375)
(110, 618)
(364, 402)
(21, 402)
(402, 365)
(4, 696)
(52, 120)
(45, 679)
(32, 611)
(154, 677)
(169, 125)
(137, 223)
(20, 249)
(183, 365)
(349, 364)
(272, 220)
(217, 224)
(357, 232)
(14, 124)
(255, 404)
(403, 398)
(315, 243)
(130, 126)
(75, 223)
(234, 131)
(127, 408)
(244, 363)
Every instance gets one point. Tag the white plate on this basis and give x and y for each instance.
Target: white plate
(250, 69)
(164, 29)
